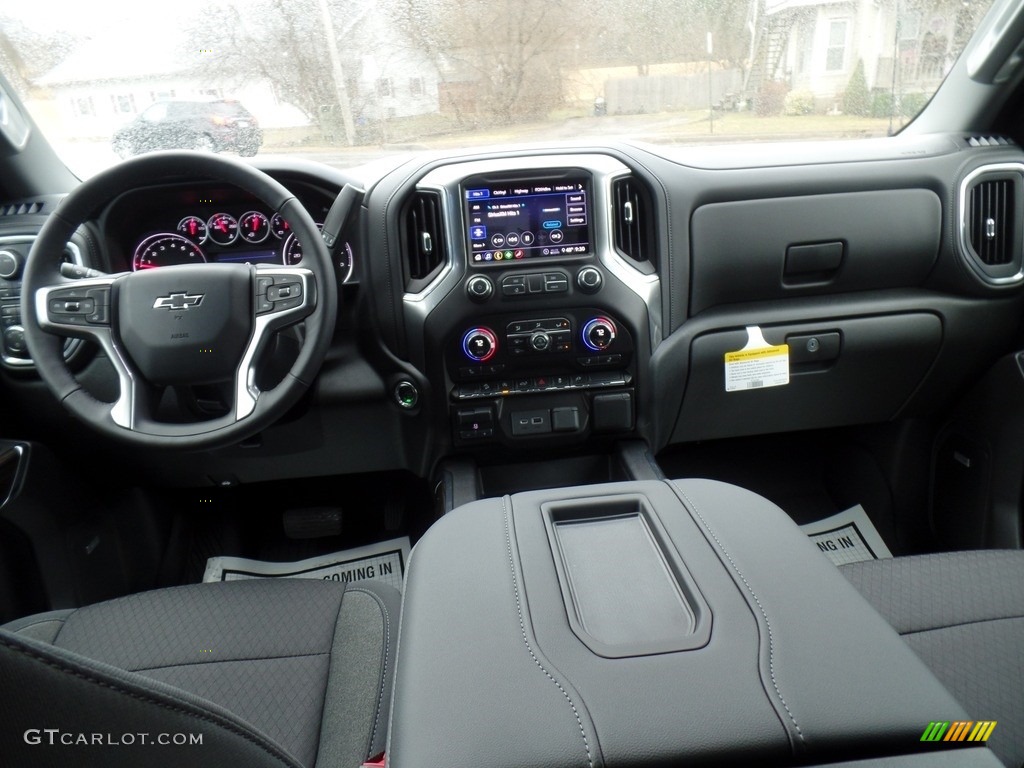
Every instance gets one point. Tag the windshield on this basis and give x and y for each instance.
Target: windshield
(348, 81)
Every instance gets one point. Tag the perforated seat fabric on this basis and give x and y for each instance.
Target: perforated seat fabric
(963, 614)
(303, 665)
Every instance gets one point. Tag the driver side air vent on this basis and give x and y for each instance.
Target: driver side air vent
(991, 209)
(633, 223)
(423, 243)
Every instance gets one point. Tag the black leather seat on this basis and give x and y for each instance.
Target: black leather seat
(963, 614)
(267, 672)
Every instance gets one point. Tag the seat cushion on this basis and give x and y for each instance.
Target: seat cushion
(283, 655)
(963, 614)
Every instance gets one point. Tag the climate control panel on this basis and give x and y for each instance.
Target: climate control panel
(562, 376)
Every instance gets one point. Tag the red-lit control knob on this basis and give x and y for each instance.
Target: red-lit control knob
(598, 334)
(479, 344)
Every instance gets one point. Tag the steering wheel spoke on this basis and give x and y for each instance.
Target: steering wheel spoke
(282, 296)
(80, 308)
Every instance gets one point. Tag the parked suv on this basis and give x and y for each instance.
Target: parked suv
(213, 126)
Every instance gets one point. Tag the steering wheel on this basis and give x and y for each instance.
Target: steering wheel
(178, 325)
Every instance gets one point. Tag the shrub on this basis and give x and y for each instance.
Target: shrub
(856, 99)
(912, 103)
(881, 103)
(798, 103)
(770, 99)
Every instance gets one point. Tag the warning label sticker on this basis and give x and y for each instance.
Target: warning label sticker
(758, 365)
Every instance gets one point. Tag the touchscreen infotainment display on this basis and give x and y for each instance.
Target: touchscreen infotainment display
(511, 221)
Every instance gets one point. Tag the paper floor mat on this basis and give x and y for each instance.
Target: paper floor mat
(847, 537)
(384, 561)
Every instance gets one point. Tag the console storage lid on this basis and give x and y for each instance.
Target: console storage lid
(524, 638)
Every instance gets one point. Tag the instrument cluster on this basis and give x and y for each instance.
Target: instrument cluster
(227, 234)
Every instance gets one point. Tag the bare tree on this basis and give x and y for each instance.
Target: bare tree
(284, 43)
(506, 53)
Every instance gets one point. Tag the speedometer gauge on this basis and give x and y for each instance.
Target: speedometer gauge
(292, 250)
(164, 250)
(292, 255)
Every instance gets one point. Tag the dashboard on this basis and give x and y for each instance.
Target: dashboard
(523, 303)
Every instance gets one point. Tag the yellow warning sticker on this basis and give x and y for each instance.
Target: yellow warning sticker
(758, 365)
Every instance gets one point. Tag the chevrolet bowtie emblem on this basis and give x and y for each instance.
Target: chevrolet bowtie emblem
(178, 301)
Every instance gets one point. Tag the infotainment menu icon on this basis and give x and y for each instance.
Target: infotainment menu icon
(527, 218)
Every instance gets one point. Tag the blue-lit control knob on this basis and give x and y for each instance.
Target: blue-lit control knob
(479, 344)
(598, 334)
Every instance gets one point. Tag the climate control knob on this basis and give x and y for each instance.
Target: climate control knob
(598, 334)
(479, 344)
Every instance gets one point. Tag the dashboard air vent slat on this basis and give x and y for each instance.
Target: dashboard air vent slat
(989, 141)
(992, 221)
(21, 209)
(422, 238)
(633, 222)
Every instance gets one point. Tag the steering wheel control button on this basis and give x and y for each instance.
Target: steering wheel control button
(479, 344)
(589, 279)
(479, 288)
(598, 334)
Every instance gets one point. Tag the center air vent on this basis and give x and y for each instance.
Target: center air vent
(423, 244)
(992, 205)
(633, 223)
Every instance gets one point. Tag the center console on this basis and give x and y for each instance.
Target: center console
(648, 623)
(538, 325)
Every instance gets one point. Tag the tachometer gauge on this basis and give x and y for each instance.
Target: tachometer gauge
(223, 228)
(254, 227)
(193, 228)
(280, 226)
(291, 253)
(164, 250)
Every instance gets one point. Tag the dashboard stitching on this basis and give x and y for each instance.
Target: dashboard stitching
(526, 641)
(764, 614)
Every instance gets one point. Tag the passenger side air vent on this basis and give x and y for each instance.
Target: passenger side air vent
(992, 225)
(633, 223)
(21, 209)
(991, 209)
(423, 243)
